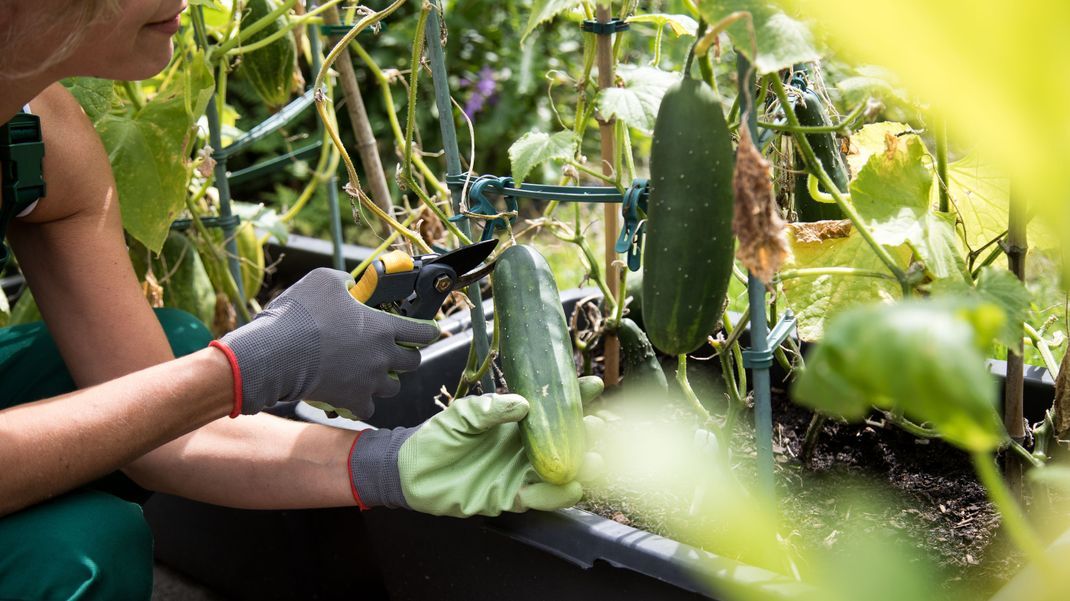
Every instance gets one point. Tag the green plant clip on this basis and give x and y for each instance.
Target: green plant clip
(633, 232)
(22, 152)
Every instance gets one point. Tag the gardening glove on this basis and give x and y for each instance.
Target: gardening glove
(316, 341)
(467, 460)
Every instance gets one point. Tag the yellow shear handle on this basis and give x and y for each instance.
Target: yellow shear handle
(394, 261)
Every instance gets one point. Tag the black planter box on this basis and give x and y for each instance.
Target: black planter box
(393, 554)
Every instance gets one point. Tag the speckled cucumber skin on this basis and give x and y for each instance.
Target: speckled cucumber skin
(688, 252)
(639, 362)
(536, 358)
(811, 112)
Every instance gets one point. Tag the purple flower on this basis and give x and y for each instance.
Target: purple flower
(483, 91)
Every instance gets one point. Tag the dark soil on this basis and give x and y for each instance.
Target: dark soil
(926, 490)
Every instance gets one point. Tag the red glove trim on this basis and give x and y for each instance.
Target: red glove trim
(349, 467)
(235, 371)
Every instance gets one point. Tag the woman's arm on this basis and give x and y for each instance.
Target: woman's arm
(72, 251)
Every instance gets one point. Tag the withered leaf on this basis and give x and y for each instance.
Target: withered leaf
(763, 243)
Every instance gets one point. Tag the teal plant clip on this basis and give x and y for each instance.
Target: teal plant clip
(610, 27)
(633, 231)
(482, 194)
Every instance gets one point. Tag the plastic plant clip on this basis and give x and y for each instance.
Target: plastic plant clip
(633, 230)
(608, 28)
(22, 151)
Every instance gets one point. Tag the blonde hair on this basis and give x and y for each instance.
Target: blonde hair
(21, 24)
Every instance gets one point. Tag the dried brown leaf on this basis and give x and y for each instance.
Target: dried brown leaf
(819, 231)
(763, 243)
(226, 319)
(153, 290)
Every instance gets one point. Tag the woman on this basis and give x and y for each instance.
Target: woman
(163, 421)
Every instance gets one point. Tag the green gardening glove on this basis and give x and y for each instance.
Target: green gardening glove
(467, 460)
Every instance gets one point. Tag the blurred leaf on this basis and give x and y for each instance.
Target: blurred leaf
(816, 299)
(917, 357)
(544, 10)
(95, 95)
(1001, 288)
(149, 154)
(679, 24)
(637, 103)
(940, 248)
(5, 311)
(534, 148)
(1019, 119)
(781, 40)
(262, 218)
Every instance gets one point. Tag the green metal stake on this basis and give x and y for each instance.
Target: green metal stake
(332, 181)
(222, 185)
(759, 358)
(436, 52)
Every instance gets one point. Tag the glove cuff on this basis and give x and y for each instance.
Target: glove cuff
(374, 477)
(235, 373)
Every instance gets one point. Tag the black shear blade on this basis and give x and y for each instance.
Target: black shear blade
(466, 258)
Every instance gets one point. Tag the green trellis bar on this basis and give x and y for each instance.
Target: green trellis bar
(437, 55)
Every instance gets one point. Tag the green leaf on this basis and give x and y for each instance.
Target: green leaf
(1001, 288)
(818, 298)
(940, 248)
(95, 95)
(982, 199)
(262, 218)
(544, 10)
(679, 24)
(149, 154)
(534, 148)
(891, 192)
(637, 103)
(781, 40)
(918, 358)
(5, 310)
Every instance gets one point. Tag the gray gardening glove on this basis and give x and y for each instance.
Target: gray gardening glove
(315, 341)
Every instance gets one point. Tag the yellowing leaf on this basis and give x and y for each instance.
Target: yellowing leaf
(814, 299)
(679, 24)
(891, 192)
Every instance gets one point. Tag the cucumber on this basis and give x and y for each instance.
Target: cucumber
(810, 109)
(536, 359)
(689, 243)
(252, 259)
(270, 69)
(639, 362)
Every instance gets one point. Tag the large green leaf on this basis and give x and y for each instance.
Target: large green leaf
(535, 147)
(781, 40)
(544, 10)
(871, 139)
(940, 248)
(149, 154)
(637, 103)
(891, 192)
(818, 298)
(95, 95)
(1019, 120)
(981, 197)
(919, 358)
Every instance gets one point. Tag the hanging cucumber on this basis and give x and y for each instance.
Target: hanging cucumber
(270, 69)
(639, 362)
(810, 109)
(689, 244)
(536, 358)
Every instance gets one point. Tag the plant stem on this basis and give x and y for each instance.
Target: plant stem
(1013, 519)
(813, 433)
(811, 272)
(251, 29)
(291, 25)
(1044, 349)
(816, 168)
(385, 244)
(845, 123)
(606, 65)
(941, 165)
(689, 394)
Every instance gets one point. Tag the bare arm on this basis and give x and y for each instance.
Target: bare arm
(72, 251)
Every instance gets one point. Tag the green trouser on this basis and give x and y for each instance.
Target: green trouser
(86, 544)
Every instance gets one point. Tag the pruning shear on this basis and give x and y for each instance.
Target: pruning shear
(417, 286)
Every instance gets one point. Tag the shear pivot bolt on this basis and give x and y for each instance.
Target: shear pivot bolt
(443, 283)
